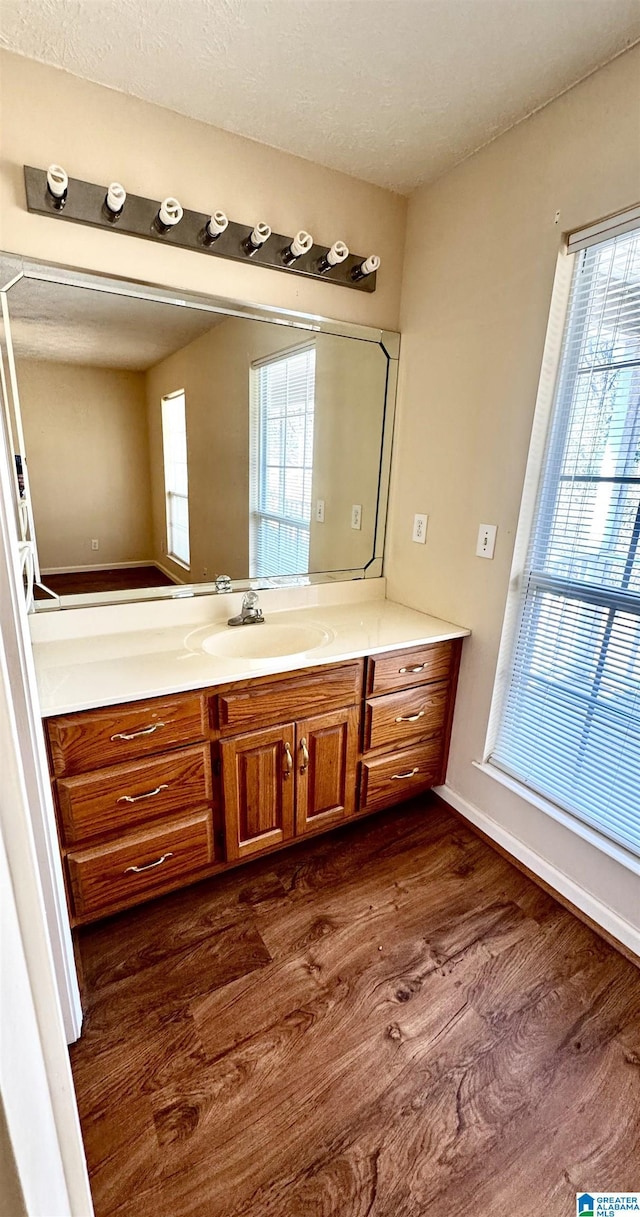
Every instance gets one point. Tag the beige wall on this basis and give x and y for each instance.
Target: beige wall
(210, 372)
(88, 459)
(101, 135)
(214, 371)
(482, 246)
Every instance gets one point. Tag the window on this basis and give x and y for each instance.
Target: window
(282, 405)
(176, 481)
(570, 722)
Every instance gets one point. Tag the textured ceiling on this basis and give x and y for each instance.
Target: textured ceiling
(392, 91)
(67, 324)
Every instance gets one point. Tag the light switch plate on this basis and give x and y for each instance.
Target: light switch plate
(320, 511)
(356, 515)
(486, 540)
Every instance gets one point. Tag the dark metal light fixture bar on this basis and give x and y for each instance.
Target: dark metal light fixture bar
(86, 203)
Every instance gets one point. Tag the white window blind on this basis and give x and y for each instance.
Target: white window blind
(176, 480)
(570, 725)
(282, 398)
(602, 230)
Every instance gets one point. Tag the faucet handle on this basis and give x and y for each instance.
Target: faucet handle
(250, 600)
(223, 583)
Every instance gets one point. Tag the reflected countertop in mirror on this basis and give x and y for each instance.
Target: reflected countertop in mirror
(162, 441)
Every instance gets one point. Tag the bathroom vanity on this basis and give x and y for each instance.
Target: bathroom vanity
(177, 746)
(155, 793)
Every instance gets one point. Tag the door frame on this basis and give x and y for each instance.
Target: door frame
(40, 1007)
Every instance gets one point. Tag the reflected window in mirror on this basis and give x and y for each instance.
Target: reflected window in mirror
(176, 478)
(282, 391)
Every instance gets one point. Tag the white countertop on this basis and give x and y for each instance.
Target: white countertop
(102, 669)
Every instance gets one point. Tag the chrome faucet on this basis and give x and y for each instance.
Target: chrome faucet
(250, 613)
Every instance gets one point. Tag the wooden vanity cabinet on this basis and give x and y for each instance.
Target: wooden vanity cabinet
(153, 795)
(407, 713)
(91, 739)
(143, 825)
(258, 790)
(299, 776)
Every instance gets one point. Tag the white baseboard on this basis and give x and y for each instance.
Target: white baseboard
(588, 904)
(165, 571)
(72, 570)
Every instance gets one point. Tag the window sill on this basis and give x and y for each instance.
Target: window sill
(591, 835)
(178, 562)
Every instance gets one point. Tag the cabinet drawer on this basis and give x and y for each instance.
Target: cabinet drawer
(139, 864)
(265, 705)
(400, 718)
(401, 669)
(389, 779)
(95, 738)
(123, 796)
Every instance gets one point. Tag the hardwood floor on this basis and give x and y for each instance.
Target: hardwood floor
(77, 583)
(386, 1022)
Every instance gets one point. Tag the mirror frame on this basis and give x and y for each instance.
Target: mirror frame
(14, 267)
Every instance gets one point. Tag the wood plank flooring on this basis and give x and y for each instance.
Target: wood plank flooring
(119, 579)
(386, 1022)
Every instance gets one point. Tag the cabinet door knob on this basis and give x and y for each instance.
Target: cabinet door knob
(410, 718)
(288, 762)
(134, 734)
(420, 667)
(137, 870)
(134, 798)
(305, 755)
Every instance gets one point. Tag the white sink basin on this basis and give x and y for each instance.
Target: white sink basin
(266, 641)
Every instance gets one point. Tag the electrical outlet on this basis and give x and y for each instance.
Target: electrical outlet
(205, 572)
(486, 540)
(320, 511)
(356, 515)
(419, 533)
(95, 544)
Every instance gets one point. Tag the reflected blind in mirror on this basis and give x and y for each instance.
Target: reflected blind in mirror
(282, 417)
(570, 725)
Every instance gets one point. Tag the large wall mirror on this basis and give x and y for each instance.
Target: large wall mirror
(163, 440)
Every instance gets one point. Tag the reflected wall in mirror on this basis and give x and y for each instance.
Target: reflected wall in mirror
(168, 442)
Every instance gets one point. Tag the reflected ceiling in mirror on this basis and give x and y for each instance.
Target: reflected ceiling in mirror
(168, 441)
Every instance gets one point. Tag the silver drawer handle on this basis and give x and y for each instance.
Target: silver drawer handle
(410, 718)
(134, 798)
(412, 772)
(137, 870)
(419, 668)
(134, 734)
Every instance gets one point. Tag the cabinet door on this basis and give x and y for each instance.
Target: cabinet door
(258, 782)
(326, 753)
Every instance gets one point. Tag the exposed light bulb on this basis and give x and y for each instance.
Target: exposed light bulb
(57, 183)
(257, 238)
(368, 267)
(301, 244)
(169, 215)
(116, 198)
(216, 225)
(334, 256)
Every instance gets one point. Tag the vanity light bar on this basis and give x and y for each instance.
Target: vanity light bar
(50, 192)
